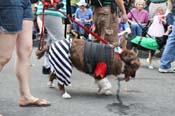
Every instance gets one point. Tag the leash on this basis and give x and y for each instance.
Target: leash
(118, 92)
(41, 41)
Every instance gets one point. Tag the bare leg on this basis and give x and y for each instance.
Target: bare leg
(7, 44)
(23, 50)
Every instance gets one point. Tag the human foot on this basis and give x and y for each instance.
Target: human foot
(34, 103)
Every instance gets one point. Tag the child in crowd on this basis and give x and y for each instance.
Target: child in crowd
(157, 28)
(123, 30)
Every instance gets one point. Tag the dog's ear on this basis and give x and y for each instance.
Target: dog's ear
(132, 50)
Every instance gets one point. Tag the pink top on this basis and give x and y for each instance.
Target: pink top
(141, 16)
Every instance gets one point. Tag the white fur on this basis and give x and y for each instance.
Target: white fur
(66, 95)
(104, 86)
(50, 84)
(150, 66)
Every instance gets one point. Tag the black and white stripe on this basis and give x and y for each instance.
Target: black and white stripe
(59, 57)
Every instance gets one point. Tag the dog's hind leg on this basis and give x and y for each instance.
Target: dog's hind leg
(64, 93)
(149, 59)
(52, 76)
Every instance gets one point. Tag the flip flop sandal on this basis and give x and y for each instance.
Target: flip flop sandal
(37, 103)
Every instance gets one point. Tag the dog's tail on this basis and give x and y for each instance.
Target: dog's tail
(40, 53)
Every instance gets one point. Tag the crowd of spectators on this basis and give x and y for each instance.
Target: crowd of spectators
(140, 14)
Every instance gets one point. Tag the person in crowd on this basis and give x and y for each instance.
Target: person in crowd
(84, 16)
(124, 30)
(73, 6)
(168, 55)
(54, 27)
(105, 18)
(169, 14)
(154, 4)
(16, 23)
(157, 28)
(138, 18)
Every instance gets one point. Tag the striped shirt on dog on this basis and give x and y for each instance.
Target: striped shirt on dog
(61, 65)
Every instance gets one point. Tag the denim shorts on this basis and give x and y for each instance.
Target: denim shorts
(12, 14)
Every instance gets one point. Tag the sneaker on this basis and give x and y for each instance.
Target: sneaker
(170, 70)
(45, 70)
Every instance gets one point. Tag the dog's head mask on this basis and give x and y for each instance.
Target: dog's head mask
(131, 63)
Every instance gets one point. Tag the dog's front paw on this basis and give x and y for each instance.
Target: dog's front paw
(104, 92)
(104, 87)
(65, 95)
(108, 92)
(150, 67)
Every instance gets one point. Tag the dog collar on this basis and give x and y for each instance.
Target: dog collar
(118, 50)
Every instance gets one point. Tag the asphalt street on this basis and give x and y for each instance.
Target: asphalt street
(150, 94)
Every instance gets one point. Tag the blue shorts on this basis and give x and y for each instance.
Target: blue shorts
(12, 14)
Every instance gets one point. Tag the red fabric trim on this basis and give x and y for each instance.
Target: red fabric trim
(118, 56)
(100, 70)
